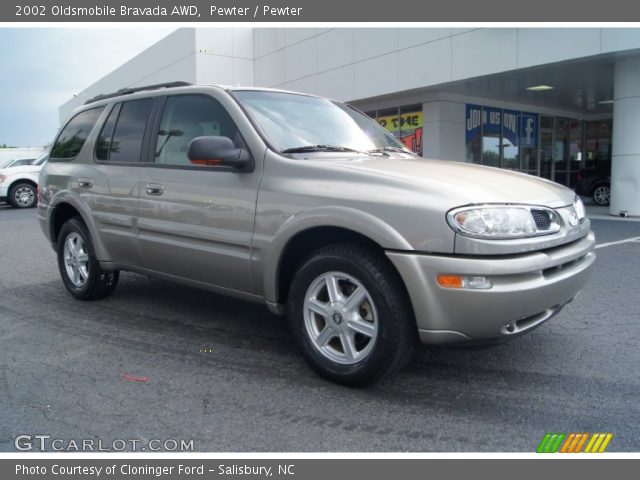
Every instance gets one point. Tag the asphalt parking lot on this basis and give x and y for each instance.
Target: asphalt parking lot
(227, 374)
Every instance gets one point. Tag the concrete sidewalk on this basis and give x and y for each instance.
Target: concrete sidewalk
(596, 212)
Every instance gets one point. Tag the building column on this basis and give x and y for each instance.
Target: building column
(443, 136)
(625, 167)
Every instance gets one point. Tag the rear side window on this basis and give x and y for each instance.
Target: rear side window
(103, 145)
(75, 133)
(121, 137)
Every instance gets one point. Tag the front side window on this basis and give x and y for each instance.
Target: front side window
(186, 117)
(75, 133)
(122, 134)
(291, 121)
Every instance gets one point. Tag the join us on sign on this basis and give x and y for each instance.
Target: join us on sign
(520, 128)
(492, 117)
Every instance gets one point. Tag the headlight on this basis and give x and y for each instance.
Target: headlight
(2, 178)
(579, 207)
(503, 221)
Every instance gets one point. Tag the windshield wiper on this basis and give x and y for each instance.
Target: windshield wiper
(390, 149)
(320, 148)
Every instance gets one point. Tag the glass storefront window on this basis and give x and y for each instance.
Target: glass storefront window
(388, 119)
(604, 143)
(591, 144)
(502, 138)
(509, 155)
(561, 150)
(474, 150)
(546, 147)
(598, 144)
(491, 150)
(405, 123)
(575, 148)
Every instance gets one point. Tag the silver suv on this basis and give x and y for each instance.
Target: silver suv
(310, 207)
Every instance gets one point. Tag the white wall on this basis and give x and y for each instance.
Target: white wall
(170, 59)
(202, 55)
(224, 56)
(358, 63)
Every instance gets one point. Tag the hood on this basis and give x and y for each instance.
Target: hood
(467, 183)
(33, 169)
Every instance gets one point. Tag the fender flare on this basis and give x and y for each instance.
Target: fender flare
(347, 218)
(67, 197)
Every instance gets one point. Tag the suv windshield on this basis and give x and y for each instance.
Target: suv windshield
(296, 123)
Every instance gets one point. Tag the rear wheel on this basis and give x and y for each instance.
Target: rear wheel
(601, 195)
(22, 195)
(78, 265)
(350, 314)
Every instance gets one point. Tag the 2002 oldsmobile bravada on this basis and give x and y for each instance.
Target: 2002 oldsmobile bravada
(311, 207)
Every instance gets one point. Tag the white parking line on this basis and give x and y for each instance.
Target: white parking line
(625, 240)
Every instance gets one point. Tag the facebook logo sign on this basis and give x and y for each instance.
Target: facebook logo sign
(528, 129)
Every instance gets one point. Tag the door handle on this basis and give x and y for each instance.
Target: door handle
(85, 183)
(154, 189)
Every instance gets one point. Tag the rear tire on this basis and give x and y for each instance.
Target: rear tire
(22, 195)
(79, 268)
(351, 315)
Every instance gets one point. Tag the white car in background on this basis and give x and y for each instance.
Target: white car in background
(19, 184)
(17, 162)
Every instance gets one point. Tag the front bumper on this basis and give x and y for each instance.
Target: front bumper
(4, 192)
(528, 289)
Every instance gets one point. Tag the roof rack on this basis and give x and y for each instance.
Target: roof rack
(128, 91)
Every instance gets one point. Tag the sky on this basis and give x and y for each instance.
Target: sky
(41, 68)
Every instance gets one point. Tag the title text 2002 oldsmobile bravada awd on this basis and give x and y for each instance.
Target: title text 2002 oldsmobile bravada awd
(311, 207)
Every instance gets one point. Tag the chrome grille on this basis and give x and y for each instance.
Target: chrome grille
(542, 218)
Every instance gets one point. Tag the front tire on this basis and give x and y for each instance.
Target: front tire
(601, 195)
(22, 195)
(351, 315)
(79, 268)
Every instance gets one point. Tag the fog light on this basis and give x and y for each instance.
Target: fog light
(464, 281)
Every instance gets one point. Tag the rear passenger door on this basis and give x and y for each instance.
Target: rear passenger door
(196, 221)
(111, 185)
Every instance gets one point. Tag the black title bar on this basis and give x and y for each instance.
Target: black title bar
(207, 11)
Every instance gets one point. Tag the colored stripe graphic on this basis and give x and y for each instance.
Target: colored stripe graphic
(573, 442)
(598, 443)
(550, 443)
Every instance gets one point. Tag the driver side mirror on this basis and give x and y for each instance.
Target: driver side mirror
(217, 151)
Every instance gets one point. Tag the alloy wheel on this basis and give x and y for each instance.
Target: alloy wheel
(76, 260)
(602, 195)
(24, 196)
(340, 318)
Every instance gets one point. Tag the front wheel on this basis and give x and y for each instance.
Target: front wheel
(78, 265)
(351, 315)
(22, 195)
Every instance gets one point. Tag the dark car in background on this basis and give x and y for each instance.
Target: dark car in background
(595, 183)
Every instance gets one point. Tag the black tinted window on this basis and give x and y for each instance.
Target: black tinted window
(103, 144)
(75, 133)
(126, 143)
(186, 117)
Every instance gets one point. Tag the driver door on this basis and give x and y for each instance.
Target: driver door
(196, 221)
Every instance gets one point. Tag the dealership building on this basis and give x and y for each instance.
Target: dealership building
(547, 102)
